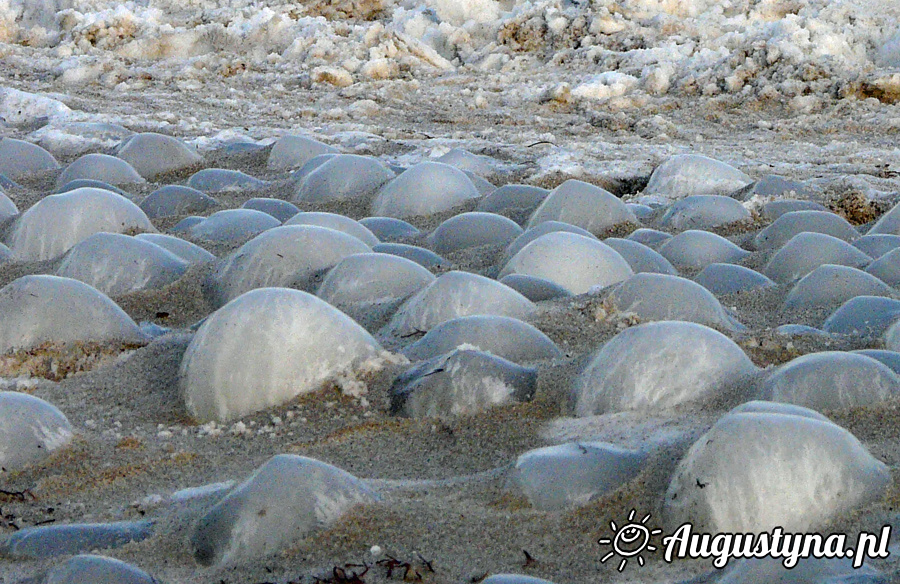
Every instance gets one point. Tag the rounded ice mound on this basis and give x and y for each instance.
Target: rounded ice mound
(283, 256)
(461, 382)
(830, 286)
(281, 210)
(89, 182)
(337, 223)
(652, 238)
(465, 160)
(424, 257)
(575, 262)
(118, 264)
(30, 430)
(286, 499)
(456, 294)
(544, 228)
(389, 229)
(704, 212)
(525, 198)
(775, 209)
(790, 224)
(472, 230)
(343, 177)
(572, 474)
(807, 251)
(583, 205)
(102, 167)
(889, 358)
(502, 336)
(889, 224)
(887, 268)
(266, 347)
(877, 246)
(424, 189)
(640, 211)
(172, 200)
(5, 254)
(770, 407)
(294, 151)
(310, 165)
(772, 185)
(684, 175)
(863, 316)
(640, 257)
(48, 541)
(659, 365)
(697, 249)
(753, 472)
(367, 286)
(534, 288)
(96, 569)
(483, 187)
(728, 278)
(664, 297)
(19, 159)
(216, 180)
(232, 225)
(831, 380)
(7, 207)
(187, 251)
(153, 155)
(39, 309)
(185, 225)
(56, 223)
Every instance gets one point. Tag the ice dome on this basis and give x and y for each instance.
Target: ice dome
(465, 160)
(575, 262)
(659, 365)
(343, 177)
(424, 257)
(283, 256)
(30, 430)
(216, 180)
(640, 257)
(775, 209)
(790, 224)
(117, 264)
(805, 252)
(513, 197)
(584, 205)
(100, 167)
(285, 500)
(153, 155)
(389, 229)
(40, 309)
(534, 288)
(472, 230)
(830, 286)
(652, 238)
(728, 278)
(425, 189)
(7, 207)
(544, 228)
(878, 245)
(337, 223)
(266, 347)
(294, 151)
(888, 224)
(174, 200)
(96, 569)
(56, 223)
(232, 225)
(695, 249)
(20, 159)
(684, 175)
(187, 251)
(887, 268)
(456, 294)
(281, 210)
(753, 472)
(704, 212)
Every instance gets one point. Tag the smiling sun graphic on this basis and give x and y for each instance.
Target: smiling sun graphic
(630, 540)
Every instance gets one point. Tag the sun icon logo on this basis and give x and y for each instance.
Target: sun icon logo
(630, 540)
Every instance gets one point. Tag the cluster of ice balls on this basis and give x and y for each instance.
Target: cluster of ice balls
(303, 299)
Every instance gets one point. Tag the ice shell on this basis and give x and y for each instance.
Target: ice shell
(513, 197)
(697, 249)
(286, 499)
(465, 160)
(343, 177)
(502, 336)
(728, 278)
(337, 223)
(216, 180)
(472, 230)
(878, 245)
(94, 184)
(575, 262)
(805, 252)
(366, 282)
(659, 365)
(100, 167)
(47, 541)
(424, 189)
(664, 297)
(389, 229)
(461, 382)
(30, 430)
(56, 223)
(753, 472)
(174, 200)
(118, 264)
(704, 212)
(863, 316)
(534, 288)
(830, 286)
(7, 207)
(310, 165)
(583, 205)
(774, 186)
(38, 309)
(888, 224)
(281, 210)
(790, 224)
(232, 225)
(96, 570)
(295, 151)
(19, 159)
(424, 257)
(889, 358)
(684, 175)
(266, 347)
(187, 251)
(649, 237)
(456, 294)
(153, 155)
(830, 380)
(640, 257)
(775, 209)
(544, 228)
(283, 256)
(887, 268)
(572, 474)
